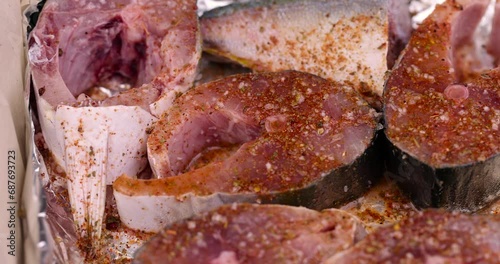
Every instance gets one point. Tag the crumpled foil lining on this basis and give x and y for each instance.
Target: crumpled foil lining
(43, 240)
(56, 239)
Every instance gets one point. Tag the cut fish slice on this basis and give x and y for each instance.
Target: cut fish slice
(90, 45)
(77, 45)
(430, 237)
(345, 41)
(248, 233)
(290, 137)
(442, 114)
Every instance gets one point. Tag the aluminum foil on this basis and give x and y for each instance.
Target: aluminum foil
(39, 242)
(49, 233)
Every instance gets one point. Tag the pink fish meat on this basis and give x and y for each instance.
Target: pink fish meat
(442, 113)
(430, 237)
(288, 137)
(248, 233)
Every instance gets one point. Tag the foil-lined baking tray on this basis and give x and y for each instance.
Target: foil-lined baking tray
(49, 235)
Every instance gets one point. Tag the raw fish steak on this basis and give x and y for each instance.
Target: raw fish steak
(354, 42)
(442, 113)
(287, 137)
(430, 237)
(247, 233)
(79, 45)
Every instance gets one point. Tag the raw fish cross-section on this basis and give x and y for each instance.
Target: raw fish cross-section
(288, 137)
(248, 233)
(353, 42)
(442, 112)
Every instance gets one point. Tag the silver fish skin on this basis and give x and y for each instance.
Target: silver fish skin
(354, 42)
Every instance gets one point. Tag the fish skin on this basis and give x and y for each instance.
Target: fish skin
(442, 115)
(250, 233)
(210, 70)
(430, 236)
(345, 41)
(275, 118)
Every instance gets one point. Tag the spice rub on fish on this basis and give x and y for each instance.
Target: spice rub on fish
(430, 237)
(442, 113)
(102, 73)
(345, 41)
(290, 137)
(247, 233)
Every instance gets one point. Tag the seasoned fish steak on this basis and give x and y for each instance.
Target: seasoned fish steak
(346, 41)
(248, 233)
(299, 139)
(442, 114)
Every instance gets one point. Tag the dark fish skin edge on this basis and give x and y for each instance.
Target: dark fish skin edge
(33, 17)
(234, 7)
(467, 188)
(329, 191)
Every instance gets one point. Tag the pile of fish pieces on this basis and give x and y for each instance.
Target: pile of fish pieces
(441, 100)
(83, 56)
(441, 74)
(285, 137)
(278, 131)
(244, 233)
(467, 13)
(137, 58)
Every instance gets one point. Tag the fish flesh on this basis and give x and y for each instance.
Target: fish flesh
(442, 113)
(354, 42)
(431, 236)
(77, 45)
(250, 233)
(494, 37)
(284, 137)
(103, 71)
